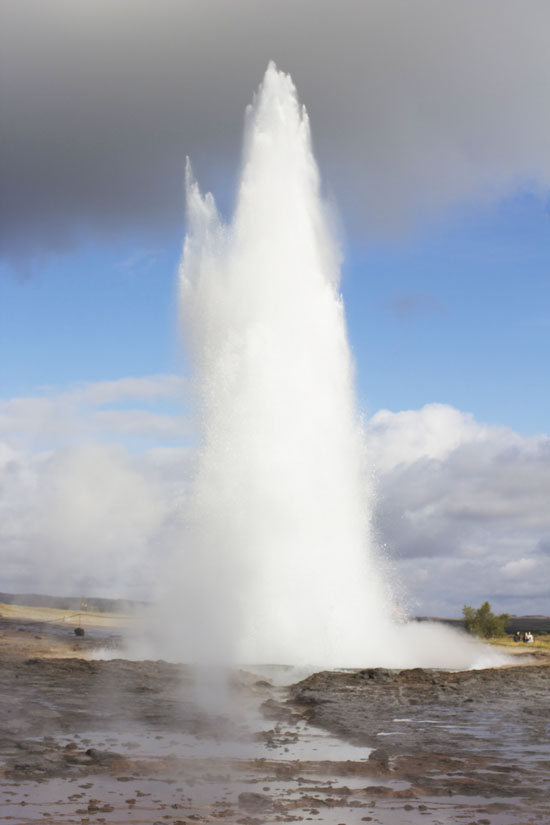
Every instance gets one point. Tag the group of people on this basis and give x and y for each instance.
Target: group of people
(526, 637)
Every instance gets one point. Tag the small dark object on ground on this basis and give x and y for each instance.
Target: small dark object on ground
(254, 801)
(79, 631)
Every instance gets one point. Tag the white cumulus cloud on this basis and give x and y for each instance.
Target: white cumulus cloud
(462, 507)
(97, 411)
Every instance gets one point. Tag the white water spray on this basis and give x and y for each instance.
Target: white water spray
(278, 560)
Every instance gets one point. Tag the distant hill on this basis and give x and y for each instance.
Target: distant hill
(92, 603)
(101, 605)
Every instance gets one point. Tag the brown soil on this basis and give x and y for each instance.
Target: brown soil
(84, 741)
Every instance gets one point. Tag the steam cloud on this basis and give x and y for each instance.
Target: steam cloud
(277, 563)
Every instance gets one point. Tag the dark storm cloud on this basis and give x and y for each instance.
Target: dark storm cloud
(414, 106)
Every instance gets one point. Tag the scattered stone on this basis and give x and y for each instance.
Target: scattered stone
(251, 801)
(379, 758)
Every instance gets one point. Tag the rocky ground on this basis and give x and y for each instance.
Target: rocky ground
(85, 741)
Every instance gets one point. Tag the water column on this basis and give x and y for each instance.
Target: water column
(277, 554)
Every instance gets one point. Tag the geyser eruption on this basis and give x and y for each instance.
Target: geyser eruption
(278, 561)
(279, 506)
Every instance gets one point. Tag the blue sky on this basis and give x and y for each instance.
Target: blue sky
(459, 314)
(96, 314)
(456, 313)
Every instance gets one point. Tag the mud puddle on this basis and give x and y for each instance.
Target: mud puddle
(210, 798)
(118, 741)
(298, 743)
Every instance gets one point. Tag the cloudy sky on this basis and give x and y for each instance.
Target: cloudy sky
(431, 125)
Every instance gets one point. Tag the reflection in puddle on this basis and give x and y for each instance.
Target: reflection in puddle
(224, 761)
(287, 742)
(211, 798)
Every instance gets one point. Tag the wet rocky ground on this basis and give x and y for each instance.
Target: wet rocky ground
(85, 741)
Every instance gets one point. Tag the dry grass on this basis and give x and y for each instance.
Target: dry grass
(70, 617)
(540, 643)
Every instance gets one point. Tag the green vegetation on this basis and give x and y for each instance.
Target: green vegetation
(483, 622)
